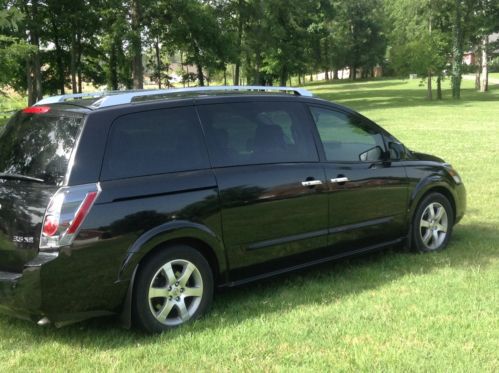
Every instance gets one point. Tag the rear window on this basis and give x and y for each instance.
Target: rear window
(38, 145)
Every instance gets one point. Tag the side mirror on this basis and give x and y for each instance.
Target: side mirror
(372, 155)
(397, 150)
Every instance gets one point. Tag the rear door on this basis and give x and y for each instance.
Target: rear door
(367, 194)
(271, 184)
(34, 154)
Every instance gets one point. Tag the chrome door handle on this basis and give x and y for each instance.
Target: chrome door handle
(339, 180)
(311, 182)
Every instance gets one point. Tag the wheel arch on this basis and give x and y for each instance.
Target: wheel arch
(182, 233)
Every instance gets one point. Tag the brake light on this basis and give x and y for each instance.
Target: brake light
(65, 214)
(36, 110)
(50, 225)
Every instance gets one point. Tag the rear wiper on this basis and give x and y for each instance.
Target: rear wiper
(20, 177)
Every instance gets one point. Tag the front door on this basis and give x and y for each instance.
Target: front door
(272, 186)
(367, 193)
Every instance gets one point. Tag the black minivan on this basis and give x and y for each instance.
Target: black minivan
(141, 203)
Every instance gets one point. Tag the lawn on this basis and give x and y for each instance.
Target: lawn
(391, 311)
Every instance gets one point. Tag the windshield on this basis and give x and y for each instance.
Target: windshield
(38, 146)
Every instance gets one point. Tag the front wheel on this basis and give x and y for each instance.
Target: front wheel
(432, 224)
(171, 288)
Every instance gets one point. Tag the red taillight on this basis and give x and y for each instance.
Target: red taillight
(65, 214)
(82, 212)
(50, 225)
(36, 110)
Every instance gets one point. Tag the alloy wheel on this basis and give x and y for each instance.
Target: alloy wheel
(175, 292)
(433, 225)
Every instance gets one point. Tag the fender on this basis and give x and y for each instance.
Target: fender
(178, 229)
(438, 180)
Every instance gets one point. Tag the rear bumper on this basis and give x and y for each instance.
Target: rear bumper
(44, 290)
(20, 293)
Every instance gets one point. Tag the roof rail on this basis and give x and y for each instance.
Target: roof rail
(73, 96)
(124, 97)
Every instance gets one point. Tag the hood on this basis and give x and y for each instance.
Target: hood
(427, 157)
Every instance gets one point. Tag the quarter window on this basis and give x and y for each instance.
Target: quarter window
(346, 137)
(154, 142)
(257, 133)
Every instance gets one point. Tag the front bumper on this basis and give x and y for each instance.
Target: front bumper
(460, 202)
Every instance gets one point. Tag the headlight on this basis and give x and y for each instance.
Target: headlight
(453, 173)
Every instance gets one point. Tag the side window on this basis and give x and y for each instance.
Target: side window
(154, 142)
(346, 138)
(257, 133)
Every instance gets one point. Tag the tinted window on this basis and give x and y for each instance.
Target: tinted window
(154, 142)
(257, 132)
(38, 145)
(346, 137)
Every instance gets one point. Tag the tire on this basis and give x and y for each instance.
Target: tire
(172, 287)
(432, 223)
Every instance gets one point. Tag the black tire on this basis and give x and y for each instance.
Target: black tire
(152, 277)
(422, 217)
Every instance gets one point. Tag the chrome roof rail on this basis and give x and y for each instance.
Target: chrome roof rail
(113, 98)
(68, 97)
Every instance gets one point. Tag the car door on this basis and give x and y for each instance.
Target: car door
(368, 193)
(272, 187)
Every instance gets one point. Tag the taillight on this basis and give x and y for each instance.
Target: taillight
(36, 110)
(65, 213)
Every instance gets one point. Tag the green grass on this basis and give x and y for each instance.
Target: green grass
(391, 311)
(9, 104)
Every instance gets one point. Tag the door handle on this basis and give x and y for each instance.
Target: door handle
(311, 182)
(338, 180)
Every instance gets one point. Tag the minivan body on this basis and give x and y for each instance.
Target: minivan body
(256, 184)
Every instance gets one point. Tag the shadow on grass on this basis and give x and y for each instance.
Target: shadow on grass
(471, 246)
(363, 97)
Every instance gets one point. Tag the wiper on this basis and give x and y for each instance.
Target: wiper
(20, 177)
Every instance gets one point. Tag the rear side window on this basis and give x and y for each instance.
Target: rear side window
(257, 133)
(38, 145)
(154, 142)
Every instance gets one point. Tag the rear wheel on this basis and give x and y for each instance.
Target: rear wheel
(171, 288)
(432, 224)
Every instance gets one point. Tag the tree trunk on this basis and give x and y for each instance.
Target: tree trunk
(78, 64)
(200, 74)
(136, 45)
(439, 87)
(29, 81)
(239, 43)
(484, 86)
(299, 79)
(113, 68)
(73, 63)
(58, 54)
(283, 76)
(429, 94)
(457, 51)
(225, 75)
(158, 61)
(335, 74)
(353, 72)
